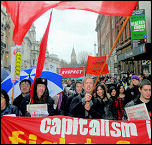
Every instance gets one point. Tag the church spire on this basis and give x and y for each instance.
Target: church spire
(73, 56)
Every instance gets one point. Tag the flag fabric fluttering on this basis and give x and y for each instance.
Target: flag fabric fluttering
(24, 13)
(41, 58)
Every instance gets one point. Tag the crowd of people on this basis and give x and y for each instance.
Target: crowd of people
(107, 100)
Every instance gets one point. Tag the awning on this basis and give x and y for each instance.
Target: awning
(143, 52)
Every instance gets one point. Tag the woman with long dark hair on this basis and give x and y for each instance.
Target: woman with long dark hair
(102, 96)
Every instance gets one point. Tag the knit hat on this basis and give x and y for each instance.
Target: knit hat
(135, 77)
(41, 81)
(25, 80)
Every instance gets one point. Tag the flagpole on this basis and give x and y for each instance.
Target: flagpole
(12, 93)
(114, 45)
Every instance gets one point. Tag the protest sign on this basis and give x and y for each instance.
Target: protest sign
(137, 112)
(95, 64)
(75, 72)
(37, 110)
(67, 130)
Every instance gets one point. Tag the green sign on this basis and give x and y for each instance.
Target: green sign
(138, 24)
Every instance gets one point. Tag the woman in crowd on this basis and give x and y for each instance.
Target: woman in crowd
(40, 96)
(121, 101)
(133, 89)
(7, 108)
(102, 96)
(113, 94)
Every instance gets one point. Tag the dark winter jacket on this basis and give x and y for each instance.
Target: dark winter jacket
(26, 101)
(68, 102)
(108, 109)
(132, 93)
(77, 108)
(17, 101)
(11, 109)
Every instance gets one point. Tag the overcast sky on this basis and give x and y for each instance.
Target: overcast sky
(69, 28)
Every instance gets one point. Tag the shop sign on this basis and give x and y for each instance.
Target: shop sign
(138, 25)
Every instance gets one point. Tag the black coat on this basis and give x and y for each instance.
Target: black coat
(26, 101)
(68, 102)
(17, 101)
(77, 108)
(132, 93)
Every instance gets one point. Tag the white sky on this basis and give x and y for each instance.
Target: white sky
(68, 28)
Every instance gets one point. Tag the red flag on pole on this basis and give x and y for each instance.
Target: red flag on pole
(41, 58)
(94, 65)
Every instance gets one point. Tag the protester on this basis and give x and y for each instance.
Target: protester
(118, 79)
(40, 96)
(143, 97)
(121, 101)
(6, 108)
(25, 85)
(146, 75)
(85, 105)
(102, 96)
(78, 90)
(113, 94)
(133, 89)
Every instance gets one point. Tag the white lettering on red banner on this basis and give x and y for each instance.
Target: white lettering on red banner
(72, 72)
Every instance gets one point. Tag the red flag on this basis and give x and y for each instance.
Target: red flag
(95, 64)
(41, 58)
(24, 13)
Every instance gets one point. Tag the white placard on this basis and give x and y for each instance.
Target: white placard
(137, 112)
(37, 110)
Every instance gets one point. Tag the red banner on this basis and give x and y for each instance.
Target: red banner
(75, 72)
(63, 130)
(95, 64)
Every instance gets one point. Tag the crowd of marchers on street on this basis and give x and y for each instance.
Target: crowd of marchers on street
(107, 100)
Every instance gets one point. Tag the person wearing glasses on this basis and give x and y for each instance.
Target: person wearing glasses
(25, 85)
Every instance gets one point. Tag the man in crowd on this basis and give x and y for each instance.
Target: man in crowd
(25, 85)
(85, 105)
(144, 97)
(78, 90)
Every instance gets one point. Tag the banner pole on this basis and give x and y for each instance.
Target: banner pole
(12, 93)
(114, 45)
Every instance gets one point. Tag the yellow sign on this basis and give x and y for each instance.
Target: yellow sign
(18, 65)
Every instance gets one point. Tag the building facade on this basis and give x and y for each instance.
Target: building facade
(125, 58)
(133, 55)
(105, 28)
(30, 47)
